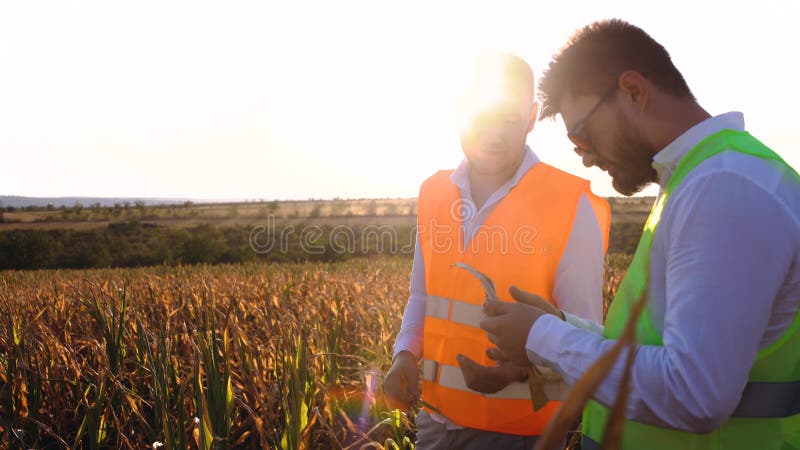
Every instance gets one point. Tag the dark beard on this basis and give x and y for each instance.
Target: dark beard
(635, 169)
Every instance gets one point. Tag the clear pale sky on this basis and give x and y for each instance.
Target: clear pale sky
(326, 99)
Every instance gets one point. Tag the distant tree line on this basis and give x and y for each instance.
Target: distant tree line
(131, 244)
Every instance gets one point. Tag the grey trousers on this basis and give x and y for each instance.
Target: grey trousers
(432, 435)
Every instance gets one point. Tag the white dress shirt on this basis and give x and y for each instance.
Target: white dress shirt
(724, 283)
(578, 287)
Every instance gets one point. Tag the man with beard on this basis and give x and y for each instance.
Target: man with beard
(516, 219)
(718, 263)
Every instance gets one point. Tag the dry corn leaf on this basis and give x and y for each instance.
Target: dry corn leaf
(572, 407)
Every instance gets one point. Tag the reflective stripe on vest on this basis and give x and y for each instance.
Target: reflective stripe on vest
(588, 443)
(451, 377)
(766, 400)
(462, 312)
(759, 400)
(768, 412)
(470, 314)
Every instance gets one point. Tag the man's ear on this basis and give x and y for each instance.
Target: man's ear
(635, 89)
(534, 115)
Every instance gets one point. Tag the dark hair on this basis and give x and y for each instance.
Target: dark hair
(597, 54)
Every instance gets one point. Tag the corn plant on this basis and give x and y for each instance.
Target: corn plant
(248, 356)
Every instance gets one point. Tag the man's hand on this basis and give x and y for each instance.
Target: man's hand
(508, 324)
(401, 384)
(489, 379)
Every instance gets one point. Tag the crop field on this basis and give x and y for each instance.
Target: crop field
(229, 356)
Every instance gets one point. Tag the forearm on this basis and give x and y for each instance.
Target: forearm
(578, 289)
(409, 338)
(661, 394)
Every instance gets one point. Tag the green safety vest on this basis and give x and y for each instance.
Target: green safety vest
(768, 414)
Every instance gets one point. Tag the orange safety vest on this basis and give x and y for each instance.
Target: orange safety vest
(520, 243)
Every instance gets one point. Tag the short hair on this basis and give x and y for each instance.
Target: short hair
(597, 54)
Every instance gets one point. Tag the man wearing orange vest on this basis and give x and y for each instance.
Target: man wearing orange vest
(522, 223)
(717, 266)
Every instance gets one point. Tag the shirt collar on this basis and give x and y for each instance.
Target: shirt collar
(668, 158)
(460, 176)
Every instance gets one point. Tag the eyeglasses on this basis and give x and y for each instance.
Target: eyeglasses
(582, 143)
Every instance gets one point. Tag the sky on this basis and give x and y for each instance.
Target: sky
(300, 99)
